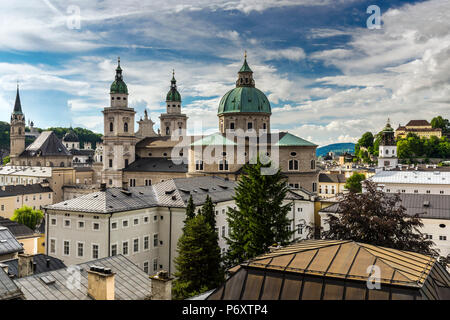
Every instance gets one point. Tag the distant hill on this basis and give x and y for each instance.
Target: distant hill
(337, 148)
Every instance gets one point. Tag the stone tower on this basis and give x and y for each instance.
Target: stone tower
(119, 139)
(17, 134)
(387, 152)
(173, 120)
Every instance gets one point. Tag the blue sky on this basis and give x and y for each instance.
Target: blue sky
(328, 77)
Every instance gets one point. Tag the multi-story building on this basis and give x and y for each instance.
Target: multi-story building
(144, 223)
(418, 182)
(331, 184)
(14, 197)
(421, 128)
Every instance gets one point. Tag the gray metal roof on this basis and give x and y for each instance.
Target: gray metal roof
(412, 177)
(24, 189)
(17, 229)
(8, 289)
(170, 193)
(332, 177)
(8, 243)
(428, 206)
(157, 164)
(43, 263)
(47, 144)
(131, 283)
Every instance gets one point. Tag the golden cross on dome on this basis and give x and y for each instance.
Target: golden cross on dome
(245, 54)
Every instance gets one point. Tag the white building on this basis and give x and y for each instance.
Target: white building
(14, 175)
(433, 209)
(144, 223)
(387, 151)
(419, 182)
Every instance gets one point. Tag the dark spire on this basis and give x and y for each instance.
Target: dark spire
(119, 75)
(245, 75)
(173, 81)
(17, 104)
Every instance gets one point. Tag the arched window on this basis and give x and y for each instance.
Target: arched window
(223, 165)
(167, 131)
(387, 151)
(61, 164)
(125, 127)
(293, 165)
(264, 126)
(199, 165)
(20, 131)
(313, 164)
(111, 127)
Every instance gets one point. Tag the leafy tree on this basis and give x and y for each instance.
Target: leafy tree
(190, 209)
(353, 184)
(439, 122)
(6, 160)
(198, 261)
(377, 218)
(208, 211)
(260, 219)
(28, 216)
(366, 140)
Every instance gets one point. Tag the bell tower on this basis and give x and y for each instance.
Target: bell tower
(173, 120)
(387, 151)
(17, 134)
(119, 139)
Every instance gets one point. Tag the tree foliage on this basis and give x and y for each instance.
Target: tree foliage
(439, 122)
(190, 209)
(366, 140)
(208, 211)
(260, 219)
(28, 216)
(377, 218)
(6, 160)
(413, 146)
(353, 184)
(198, 262)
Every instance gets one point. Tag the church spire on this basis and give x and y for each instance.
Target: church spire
(119, 75)
(245, 75)
(17, 104)
(173, 94)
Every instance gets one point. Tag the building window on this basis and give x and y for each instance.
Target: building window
(314, 187)
(110, 163)
(3, 207)
(132, 182)
(125, 248)
(124, 223)
(199, 165)
(223, 165)
(146, 267)
(111, 127)
(114, 250)
(441, 192)
(126, 163)
(428, 191)
(250, 125)
(148, 182)
(53, 221)
(231, 125)
(155, 240)
(146, 242)
(67, 223)
(125, 127)
(95, 251)
(443, 238)
(155, 264)
(264, 126)
(428, 236)
(52, 245)
(96, 226)
(66, 248)
(136, 245)
(136, 221)
(146, 219)
(80, 224)
(113, 225)
(223, 231)
(293, 165)
(80, 249)
(313, 164)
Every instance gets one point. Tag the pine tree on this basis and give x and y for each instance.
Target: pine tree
(260, 219)
(208, 211)
(198, 261)
(190, 209)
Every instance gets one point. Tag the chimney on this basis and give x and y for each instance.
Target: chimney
(102, 186)
(125, 185)
(161, 286)
(101, 284)
(25, 265)
(47, 262)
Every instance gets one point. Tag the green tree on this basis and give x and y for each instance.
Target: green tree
(439, 122)
(366, 140)
(353, 184)
(260, 219)
(208, 211)
(377, 218)
(6, 160)
(198, 261)
(28, 216)
(190, 209)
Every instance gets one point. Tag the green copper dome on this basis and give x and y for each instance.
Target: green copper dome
(245, 97)
(173, 95)
(119, 86)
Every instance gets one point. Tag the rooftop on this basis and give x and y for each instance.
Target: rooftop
(412, 177)
(43, 263)
(418, 123)
(23, 189)
(336, 270)
(47, 144)
(40, 172)
(17, 229)
(332, 178)
(156, 164)
(8, 289)
(131, 283)
(8, 242)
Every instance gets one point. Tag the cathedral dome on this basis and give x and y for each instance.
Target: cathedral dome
(119, 86)
(245, 97)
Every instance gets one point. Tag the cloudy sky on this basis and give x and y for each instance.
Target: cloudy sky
(328, 77)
